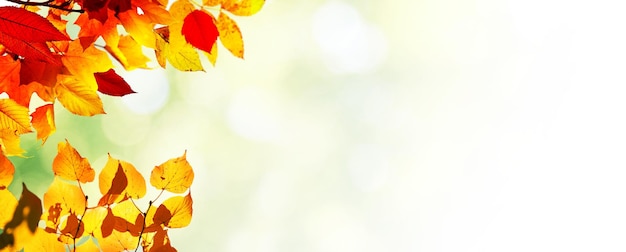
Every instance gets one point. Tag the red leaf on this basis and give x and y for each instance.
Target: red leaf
(27, 26)
(199, 30)
(34, 50)
(111, 83)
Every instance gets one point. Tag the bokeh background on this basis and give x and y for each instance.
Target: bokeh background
(445, 125)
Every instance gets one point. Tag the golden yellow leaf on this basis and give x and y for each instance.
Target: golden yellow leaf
(115, 192)
(180, 9)
(175, 212)
(70, 165)
(8, 203)
(77, 97)
(43, 242)
(182, 57)
(43, 121)
(230, 35)
(136, 184)
(128, 218)
(14, 117)
(6, 172)
(72, 228)
(82, 63)
(69, 197)
(93, 219)
(139, 27)
(118, 241)
(22, 226)
(212, 56)
(10, 142)
(127, 51)
(242, 7)
(175, 175)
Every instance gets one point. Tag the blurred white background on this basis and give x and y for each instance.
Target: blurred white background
(477, 125)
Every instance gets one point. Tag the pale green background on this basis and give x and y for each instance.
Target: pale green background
(388, 126)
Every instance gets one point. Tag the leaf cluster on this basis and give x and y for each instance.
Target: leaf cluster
(65, 220)
(39, 56)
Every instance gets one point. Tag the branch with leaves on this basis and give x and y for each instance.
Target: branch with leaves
(116, 223)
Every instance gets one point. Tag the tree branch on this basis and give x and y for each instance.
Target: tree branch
(49, 4)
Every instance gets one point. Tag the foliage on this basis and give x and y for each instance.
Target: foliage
(39, 56)
(116, 223)
(67, 52)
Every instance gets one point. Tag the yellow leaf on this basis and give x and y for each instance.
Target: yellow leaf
(68, 197)
(115, 192)
(242, 7)
(182, 57)
(44, 241)
(136, 184)
(72, 228)
(175, 175)
(70, 165)
(230, 35)
(128, 218)
(77, 97)
(6, 173)
(118, 241)
(212, 56)
(83, 63)
(175, 212)
(128, 52)
(8, 203)
(180, 9)
(43, 121)
(139, 27)
(14, 117)
(10, 142)
(22, 226)
(93, 219)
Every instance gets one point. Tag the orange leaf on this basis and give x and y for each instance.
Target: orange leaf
(199, 30)
(175, 212)
(70, 165)
(72, 228)
(14, 116)
(175, 175)
(136, 184)
(127, 51)
(83, 63)
(128, 218)
(211, 2)
(77, 97)
(69, 197)
(118, 241)
(230, 35)
(43, 121)
(139, 27)
(112, 185)
(242, 7)
(9, 73)
(6, 173)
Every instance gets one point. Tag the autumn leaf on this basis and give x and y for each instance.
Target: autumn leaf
(93, 218)
(139, 27)
(182, 57)
(8, 203)
(69, 197)
(128, 218)
(112, 191)
(88, 246)
(44, 241)
(118, 241)
(175, 212)
(126, 51)
(242, 7)
(9, 73)
(70, 165)
(72, 228)
(77, 97)
(43, 121)
(175, 175)
(10, 141)
(27, 26)
(112, 84)
(230, 35)
(136, 184)
(22, 226)
(199, 30)
(82, 63)
(33, 50)
(6, 173)
(14, 116)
